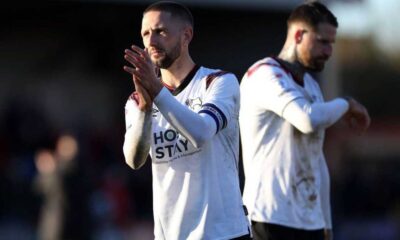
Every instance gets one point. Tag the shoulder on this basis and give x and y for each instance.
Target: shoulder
(263, 73)
(212, 76)
(265, 66)
(210, 73)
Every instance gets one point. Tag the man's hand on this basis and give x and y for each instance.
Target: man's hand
(143, 70)
(357, 116)
(142, 97)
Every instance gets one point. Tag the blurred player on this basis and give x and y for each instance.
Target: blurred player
(187, 118)
(283, 118)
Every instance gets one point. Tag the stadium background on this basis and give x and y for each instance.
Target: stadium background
(61, 73)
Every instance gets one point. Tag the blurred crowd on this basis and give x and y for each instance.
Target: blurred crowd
(68, 185)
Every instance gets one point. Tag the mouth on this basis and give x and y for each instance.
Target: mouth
(156, 53)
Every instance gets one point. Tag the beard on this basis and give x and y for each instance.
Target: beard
(170, 56)
(316, 64)
(312, 63)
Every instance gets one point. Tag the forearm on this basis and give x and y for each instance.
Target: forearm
(307, 117)
(197, 128)
(137, 138)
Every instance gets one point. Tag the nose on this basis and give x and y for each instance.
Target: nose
(152, 39)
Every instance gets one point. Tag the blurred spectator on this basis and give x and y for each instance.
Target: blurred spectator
(48, 183)
(64, 212)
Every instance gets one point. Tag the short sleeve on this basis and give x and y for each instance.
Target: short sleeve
(222, 99)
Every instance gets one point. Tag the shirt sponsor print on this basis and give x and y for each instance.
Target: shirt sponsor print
(169, 145)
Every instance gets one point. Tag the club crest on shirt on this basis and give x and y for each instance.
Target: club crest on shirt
(195, 104)
(154, 112)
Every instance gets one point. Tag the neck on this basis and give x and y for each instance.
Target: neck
(176, 73)
(289, 58)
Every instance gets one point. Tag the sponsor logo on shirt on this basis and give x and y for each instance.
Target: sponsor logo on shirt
(170, 145)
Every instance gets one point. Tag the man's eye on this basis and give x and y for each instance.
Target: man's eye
(161, 32)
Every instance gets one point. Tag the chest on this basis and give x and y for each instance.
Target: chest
(310, 89)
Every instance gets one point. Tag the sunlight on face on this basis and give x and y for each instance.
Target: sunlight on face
(316, 47)
(161, 36)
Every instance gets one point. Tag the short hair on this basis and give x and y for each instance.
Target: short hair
(312, 13)
(176, 9)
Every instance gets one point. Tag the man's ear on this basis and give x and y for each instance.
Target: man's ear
(187, 35)
(298, 35)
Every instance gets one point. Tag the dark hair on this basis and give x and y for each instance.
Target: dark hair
(177, 10)
(312, 13)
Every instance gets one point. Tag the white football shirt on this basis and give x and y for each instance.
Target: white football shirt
(196, 192)
(286, 178)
